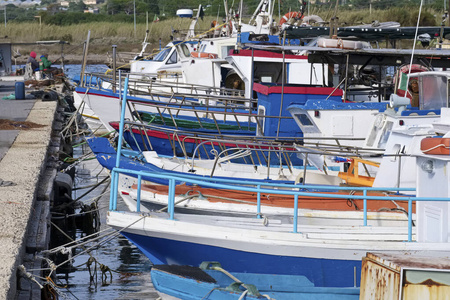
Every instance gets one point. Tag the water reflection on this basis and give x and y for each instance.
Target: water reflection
(130, 269)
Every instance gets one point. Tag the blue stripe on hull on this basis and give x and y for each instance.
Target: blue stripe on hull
(164, 147)
(321, 272)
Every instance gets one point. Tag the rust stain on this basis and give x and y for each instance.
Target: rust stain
(428, 282)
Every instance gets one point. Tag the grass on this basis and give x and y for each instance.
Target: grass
(102, 35)
(105, 34)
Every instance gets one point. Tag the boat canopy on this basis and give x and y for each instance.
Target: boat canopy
(366, 33)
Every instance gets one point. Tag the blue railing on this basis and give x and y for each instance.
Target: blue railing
(256, 187)
(269, 188)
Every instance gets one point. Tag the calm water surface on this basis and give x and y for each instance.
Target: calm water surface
(130, 268)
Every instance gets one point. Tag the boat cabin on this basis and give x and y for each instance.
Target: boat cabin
(167, 59)
(433, 95)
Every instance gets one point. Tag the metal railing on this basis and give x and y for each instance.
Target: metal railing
(256, 187)
(269, 188)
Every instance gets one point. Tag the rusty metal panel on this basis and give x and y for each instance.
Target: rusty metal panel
(379, 281)
(426, 284)
(388, 276)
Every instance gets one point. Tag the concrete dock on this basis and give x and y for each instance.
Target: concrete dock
(24, 156)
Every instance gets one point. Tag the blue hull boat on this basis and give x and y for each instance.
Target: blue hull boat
(211, 281)
(106, 156)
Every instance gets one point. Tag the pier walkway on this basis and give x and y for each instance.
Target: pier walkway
(23, 155)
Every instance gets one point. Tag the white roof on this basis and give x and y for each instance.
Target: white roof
(431, 73)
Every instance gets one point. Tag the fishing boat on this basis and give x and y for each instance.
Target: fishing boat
(211, 281)
(273, 245)
(407, 124)
(268, 245)
(153, 192)
(277, 244)
(205, 77)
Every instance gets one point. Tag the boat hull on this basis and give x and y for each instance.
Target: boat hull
(328, 259)
(185, 282)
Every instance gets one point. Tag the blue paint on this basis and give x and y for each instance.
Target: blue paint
(424, 112)
(185, 283)
(273, 99)
(106, 156)
(321, 272)
(162, 145)
(318, 104)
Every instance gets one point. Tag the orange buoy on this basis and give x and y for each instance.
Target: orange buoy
(288, 16)
(203, 55)
(435, 146)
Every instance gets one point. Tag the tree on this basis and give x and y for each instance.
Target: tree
(120, 6)
(77, 6)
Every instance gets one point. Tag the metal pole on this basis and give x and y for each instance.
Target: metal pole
(365, 207)
(258, 201)
(5, 16)
(114, 68)
(134, 8)
(138, 200)
(282, 90)
(346, 77)
(85, 57)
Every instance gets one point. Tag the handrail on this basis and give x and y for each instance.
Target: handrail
(175, 88)
(258, 187)
(223, 183)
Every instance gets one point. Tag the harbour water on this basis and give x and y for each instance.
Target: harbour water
(130, 269)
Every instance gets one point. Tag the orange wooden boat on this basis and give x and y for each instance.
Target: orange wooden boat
(285, 201)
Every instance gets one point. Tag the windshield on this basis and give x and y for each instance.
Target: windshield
(185, 50)
(433, 92)
(161, 56)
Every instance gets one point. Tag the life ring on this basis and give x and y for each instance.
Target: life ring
(203, 55)
(288, 16)
(435, 146)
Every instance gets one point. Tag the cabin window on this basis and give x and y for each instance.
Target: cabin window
(305, 123)
(376, 127)
(267, 79)
(372, 136)
(433, 92)
(161, 56)
(185, 50)
(304, 119)
(266, 70)
(385, 134)
(225, 50)
(173, 58)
